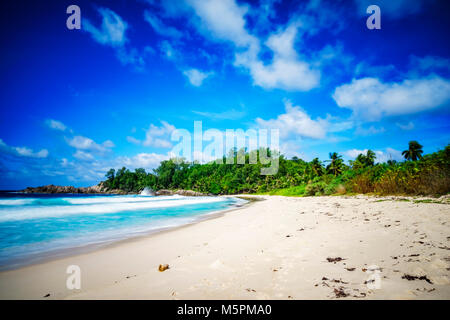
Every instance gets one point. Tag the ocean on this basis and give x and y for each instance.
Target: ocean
(34, 227)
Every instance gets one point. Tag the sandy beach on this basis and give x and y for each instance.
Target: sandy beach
(280, 248)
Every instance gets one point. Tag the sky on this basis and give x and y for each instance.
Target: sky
(75, 103)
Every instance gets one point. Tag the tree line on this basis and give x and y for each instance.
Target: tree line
(418, 174)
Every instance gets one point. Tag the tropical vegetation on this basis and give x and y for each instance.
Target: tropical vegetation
(417, 175)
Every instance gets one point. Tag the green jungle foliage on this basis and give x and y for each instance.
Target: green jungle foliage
(417, 175)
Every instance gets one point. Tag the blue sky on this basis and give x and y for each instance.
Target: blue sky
(75, 103)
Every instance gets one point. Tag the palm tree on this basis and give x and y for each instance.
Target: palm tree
(336, 163)
(370, 157)
(316, 166)
(414, 151)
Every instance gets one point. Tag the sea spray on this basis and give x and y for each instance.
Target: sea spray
(147, 192)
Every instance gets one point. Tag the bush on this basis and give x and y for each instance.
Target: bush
(315, 189)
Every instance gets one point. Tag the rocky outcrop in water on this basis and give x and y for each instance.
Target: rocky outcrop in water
(98, 189)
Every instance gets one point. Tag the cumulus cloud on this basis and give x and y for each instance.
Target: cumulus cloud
(56, 125)
(161, 28)
(370, 98)
(286, 71)
(406, 127)
(224, 20)
(86, 145)
(22, 151)
(429, 63)
(155, 136)
(196, 77)
(27, 152)
(143, 160)
(381, 156)
(295, 121)
(82, 155)
(112, 30)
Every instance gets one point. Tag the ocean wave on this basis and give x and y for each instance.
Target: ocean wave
(111, 205)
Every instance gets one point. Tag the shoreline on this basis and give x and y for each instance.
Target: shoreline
(272, 249)
(57, 254)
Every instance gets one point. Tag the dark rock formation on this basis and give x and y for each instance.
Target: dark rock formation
(98, 189)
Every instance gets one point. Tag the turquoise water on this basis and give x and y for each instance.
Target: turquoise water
(36, 226)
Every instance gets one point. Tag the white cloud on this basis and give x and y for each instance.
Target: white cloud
(82, 155)
(429, 63)
(156, 136)
(196, 77)
(144, 160)
(27, 152)
(381, 156)
(87, 144)
(225, 20)
(287, 71)
(353, 153)
(231, 114)
(160, 27)
(295, 122)
(168, 51)
(56, 125)
(389, 154)
(133, 140)
(406, 127)
(372, 130)
(108, 144)
(112, 30)
(22, 151)
(371, 98)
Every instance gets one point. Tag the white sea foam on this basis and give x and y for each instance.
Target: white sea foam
(102, 206)
(16, 202)
(118, 199)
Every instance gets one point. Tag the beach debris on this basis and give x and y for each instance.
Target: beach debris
(250, 290)
(47, 295)
(337, 259)
(412, 278)
(163, 267)
(128, 277)
(361, 295)
(350, 269)
(288, 236)
(339, 281)
(340, 293)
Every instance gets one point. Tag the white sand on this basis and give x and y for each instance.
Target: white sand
(247, 254)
